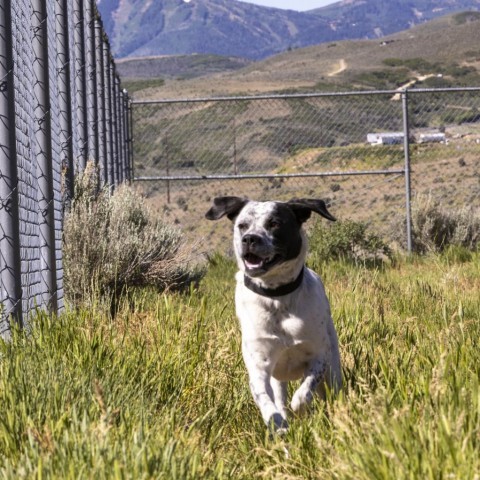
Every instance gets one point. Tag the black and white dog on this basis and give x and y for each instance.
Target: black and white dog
(287, 328)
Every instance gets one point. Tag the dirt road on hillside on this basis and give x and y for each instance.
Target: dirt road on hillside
(421, 78)
(341, 67)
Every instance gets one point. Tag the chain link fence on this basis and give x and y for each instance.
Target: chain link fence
(356, 149)
(61, 105)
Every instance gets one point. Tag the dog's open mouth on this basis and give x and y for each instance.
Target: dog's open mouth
(256, 263)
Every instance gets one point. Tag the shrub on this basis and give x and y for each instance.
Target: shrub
(467, 227)
(435, 228)
(394, 62)
(348, 240)
(432, 227)
(385, 78)
(466, 17)
(112, 241)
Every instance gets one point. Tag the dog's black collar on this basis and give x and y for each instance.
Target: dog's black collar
(274, 292)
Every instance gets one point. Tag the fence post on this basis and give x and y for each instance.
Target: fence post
(406, 150)
(108, 115)
(118, 119)
(43, 136)
(65, 95)
(100, 79)
(121, 131)
(130, 140)
(80, 81)
(10, 263)
(91, 87)
(125, 135)
(115, 156)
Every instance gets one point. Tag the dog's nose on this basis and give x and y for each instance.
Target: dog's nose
(250, 240)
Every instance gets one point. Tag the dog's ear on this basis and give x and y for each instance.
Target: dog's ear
(229, 206)
(303, 207)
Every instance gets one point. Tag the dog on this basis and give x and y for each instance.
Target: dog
(287, 328)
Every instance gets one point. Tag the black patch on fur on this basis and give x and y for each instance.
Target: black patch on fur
(284, 227)
(303, 207)
(229, 206)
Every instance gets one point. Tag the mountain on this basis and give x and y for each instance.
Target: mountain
(235, 28)
(221, 27)
(376, 18)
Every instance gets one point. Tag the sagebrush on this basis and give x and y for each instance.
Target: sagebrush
(113, 241)
(348, 240)
(436, 227)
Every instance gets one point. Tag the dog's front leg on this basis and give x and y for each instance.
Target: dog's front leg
(259, 372)
(314, 377)
(265, 399)
(280, 395)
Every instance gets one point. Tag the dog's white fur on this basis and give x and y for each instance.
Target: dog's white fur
(288, 337)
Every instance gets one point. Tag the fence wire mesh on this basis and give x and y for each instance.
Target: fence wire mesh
(445, 128)
(350, 148)
(52, 53)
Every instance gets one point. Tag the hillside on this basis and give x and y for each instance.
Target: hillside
(181, 66)
(235, 28)
(284, 136)
(447, 46)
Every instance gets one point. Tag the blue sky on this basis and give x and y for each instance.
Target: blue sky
(300, 5)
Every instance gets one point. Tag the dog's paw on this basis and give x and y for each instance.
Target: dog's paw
(300, 401)
(277, 424)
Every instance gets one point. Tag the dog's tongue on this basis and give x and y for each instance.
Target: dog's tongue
(253, 261)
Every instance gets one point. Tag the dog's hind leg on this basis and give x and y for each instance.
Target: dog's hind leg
(314, 378)
(280, 395)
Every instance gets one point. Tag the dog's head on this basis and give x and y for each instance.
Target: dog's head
(266, 234)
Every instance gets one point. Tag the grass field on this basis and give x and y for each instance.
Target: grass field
(161, 391)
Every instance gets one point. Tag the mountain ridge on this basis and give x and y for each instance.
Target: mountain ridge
(238, 29)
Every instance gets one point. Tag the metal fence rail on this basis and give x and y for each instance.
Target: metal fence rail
(328, 144)
(61, 105)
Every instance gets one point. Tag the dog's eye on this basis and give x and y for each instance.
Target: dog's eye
(274, 224)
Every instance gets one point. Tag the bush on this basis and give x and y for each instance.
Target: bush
(435, 228)
(385, 78)
(350, 241)
(112, 241)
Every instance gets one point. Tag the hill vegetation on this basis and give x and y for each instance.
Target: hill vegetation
(443, 51)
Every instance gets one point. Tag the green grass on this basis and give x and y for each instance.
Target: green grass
(161, 391)
(136, 85)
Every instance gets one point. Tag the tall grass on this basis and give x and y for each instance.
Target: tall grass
(162, 392)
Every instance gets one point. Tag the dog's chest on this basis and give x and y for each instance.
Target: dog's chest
(276, 321)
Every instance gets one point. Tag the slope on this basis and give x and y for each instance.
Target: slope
(446, 48)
